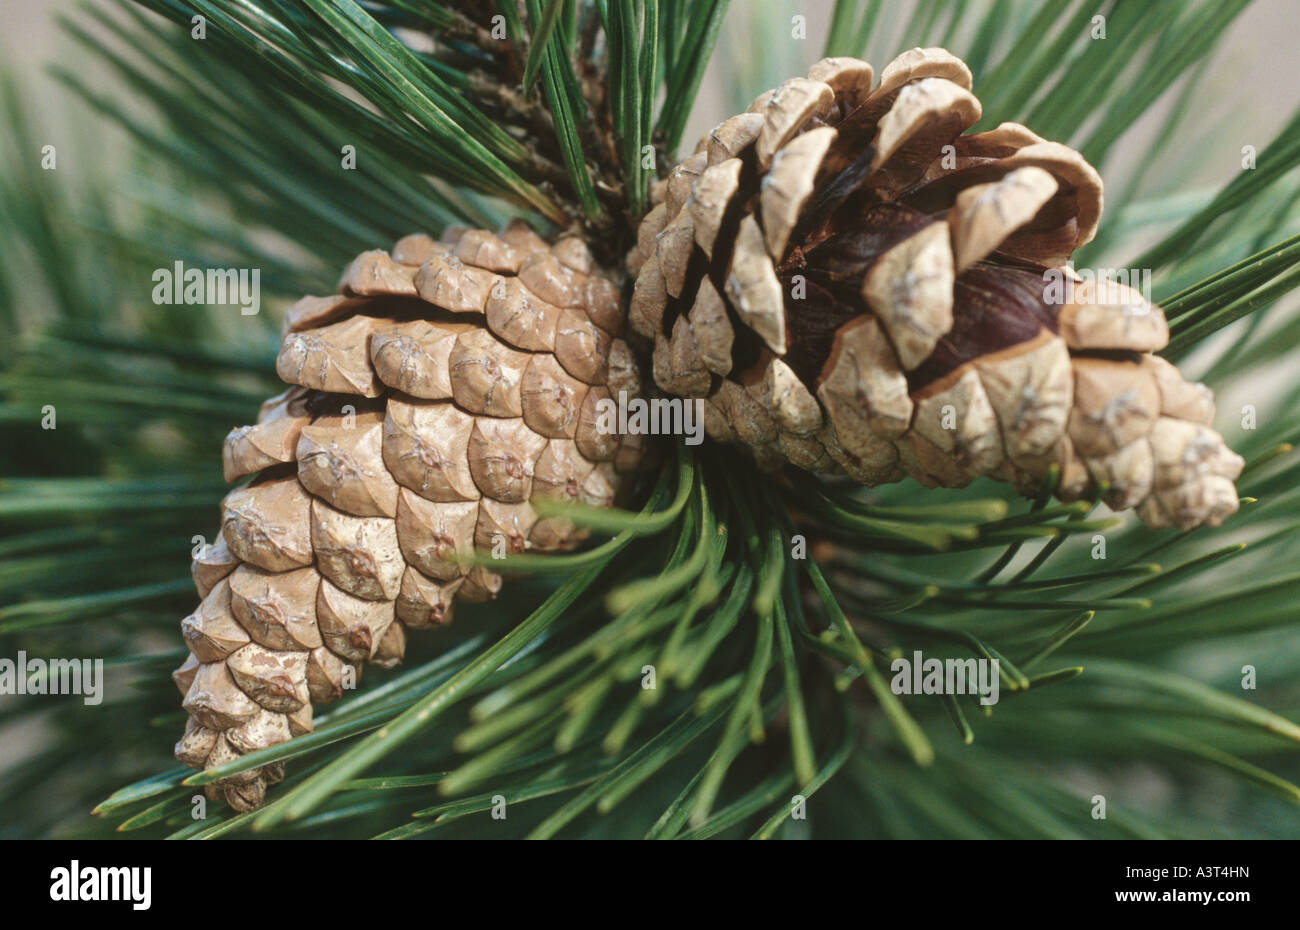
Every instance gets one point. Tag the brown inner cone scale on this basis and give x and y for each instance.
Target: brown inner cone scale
(839, 235)
(997, 303)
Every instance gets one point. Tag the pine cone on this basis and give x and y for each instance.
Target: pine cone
(850, 283)
(444, 388)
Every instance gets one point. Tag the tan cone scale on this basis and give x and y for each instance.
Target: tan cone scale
(445, 386)
(854, 283)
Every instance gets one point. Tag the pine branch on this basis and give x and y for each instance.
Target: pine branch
(757, 654)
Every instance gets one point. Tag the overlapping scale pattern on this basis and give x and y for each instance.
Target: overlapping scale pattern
(852, 282)
(447, 386)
